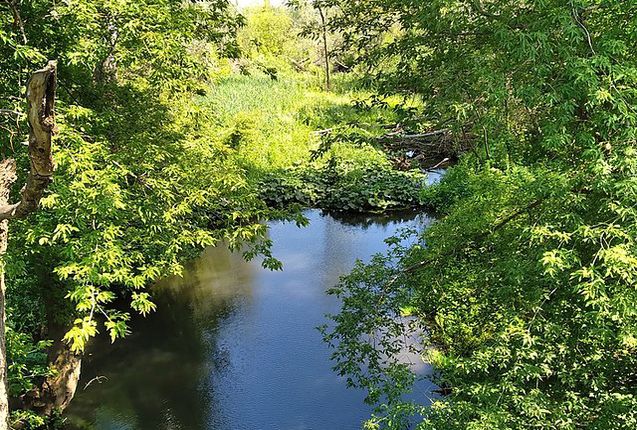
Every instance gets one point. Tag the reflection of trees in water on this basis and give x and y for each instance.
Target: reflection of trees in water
(159, 377)
(342, 240)
(366, 221)
(218, 277)
(335, 252)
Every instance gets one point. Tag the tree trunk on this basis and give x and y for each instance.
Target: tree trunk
(326, 51)
(40, 113)
(7, 178)
(57, 391)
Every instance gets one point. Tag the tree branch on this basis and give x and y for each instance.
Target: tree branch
(10, 112)
(41, 115)
(17, 19)
(580, 23)
(326, 52)
(421, 264)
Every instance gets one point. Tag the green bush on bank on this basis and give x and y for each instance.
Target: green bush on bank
(344, 185)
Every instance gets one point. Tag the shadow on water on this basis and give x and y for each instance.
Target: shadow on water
(235, 347)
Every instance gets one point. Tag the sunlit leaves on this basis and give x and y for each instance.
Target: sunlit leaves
(555, 261)
(116, 325)
(142, 304)
(141, 183)
(83, 329)
(28, 360)
(531, 309)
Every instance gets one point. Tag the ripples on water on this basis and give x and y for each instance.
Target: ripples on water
(235, 347)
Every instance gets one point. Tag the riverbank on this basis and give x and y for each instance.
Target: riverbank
(303, 146)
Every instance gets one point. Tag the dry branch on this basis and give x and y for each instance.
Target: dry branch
(424, 148)
(417, 136)
(10, 112)
(40, 112)
(400, 137)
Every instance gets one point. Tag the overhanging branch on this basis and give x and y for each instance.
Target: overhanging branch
(10, 112)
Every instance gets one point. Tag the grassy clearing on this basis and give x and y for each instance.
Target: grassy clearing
(271, 127)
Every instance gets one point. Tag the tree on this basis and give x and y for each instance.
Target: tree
(317, 28)
(41, 89)
(143, 178)
(526, 286)
(326, 51)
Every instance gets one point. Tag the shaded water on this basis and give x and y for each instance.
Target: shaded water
(234, 346)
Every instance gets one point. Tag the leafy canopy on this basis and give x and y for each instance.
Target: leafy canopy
(526, 286)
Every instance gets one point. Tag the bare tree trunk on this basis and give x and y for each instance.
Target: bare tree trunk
(7, 178)
(57, 391)
(326, 51)
(40, 112)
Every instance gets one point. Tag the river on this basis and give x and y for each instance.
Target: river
(233, 346)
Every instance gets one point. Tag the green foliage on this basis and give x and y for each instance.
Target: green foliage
(147, 174)
(272, 126)
(139, 184)
(161, 151)
(271, 42)
(526, 288)
(28, 366)
(349, 182)
(456, 185)
(27, 361)
(29, 420)
(259, 119)
(266, 35)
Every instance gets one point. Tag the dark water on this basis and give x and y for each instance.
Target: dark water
(234, 346)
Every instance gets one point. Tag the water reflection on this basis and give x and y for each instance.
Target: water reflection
(234, 346)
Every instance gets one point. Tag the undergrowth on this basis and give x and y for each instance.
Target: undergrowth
(301, 146)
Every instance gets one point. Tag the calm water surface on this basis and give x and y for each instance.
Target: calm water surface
(235, 347)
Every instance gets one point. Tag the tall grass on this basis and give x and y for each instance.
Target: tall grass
(269, 123)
